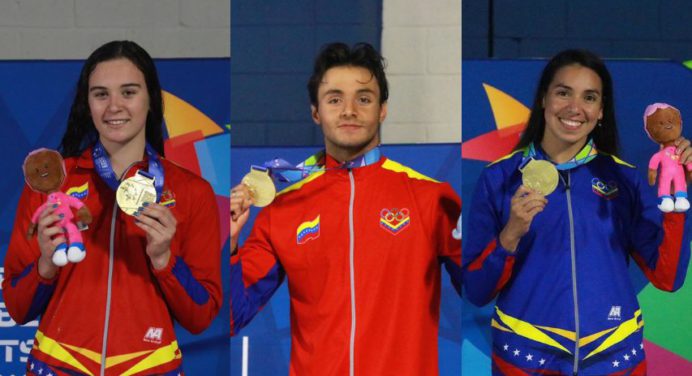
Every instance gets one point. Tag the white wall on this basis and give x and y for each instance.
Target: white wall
(421, 41)
(72, 29)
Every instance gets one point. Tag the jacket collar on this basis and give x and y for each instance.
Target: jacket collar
(585, 155)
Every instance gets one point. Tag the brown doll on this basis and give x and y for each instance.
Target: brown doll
(44, 172)
(663, 124)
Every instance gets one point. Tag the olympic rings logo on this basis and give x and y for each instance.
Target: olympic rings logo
(606, 190)
(394, 214)
(601, 186)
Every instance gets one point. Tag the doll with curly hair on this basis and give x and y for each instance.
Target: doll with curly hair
(44, 172)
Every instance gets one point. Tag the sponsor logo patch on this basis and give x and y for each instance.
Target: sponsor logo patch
(606, 190)
(615, 313)
(394, 220)
(153, 335)
(308, 230)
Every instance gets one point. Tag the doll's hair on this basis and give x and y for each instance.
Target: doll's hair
(38, 151)
(650, 109)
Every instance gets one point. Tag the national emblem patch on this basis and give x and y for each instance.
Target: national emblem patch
(606, 190)
(167, 199)
(394, 220)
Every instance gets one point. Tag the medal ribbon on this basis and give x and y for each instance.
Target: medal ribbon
(586, 154)
(284, 171)
(104, 169)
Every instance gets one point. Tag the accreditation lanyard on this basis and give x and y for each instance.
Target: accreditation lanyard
(104, 169)
(586, 154)
(284, 171)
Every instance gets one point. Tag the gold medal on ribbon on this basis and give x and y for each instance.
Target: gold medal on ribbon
(541, 176)
(134, 192)
(261, 186)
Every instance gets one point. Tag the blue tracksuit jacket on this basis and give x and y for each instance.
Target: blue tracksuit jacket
(565, 303)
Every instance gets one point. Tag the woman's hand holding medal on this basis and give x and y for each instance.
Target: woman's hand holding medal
(525, 204)
(159, 223)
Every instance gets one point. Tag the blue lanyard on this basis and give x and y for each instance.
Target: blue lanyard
(284, 171)
(585, 155)
(103, 167)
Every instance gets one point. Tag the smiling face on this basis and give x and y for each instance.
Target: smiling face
(43, 171)
(349, 111)
(664, 125)
(118, 102)
(573, 104)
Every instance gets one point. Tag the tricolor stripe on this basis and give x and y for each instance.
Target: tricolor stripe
(308, 230)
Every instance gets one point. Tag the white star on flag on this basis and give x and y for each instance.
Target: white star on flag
(40, 371)
(634, 352)
(506, 347)
(32, 366)
(517, 352)
(627, 357)
(529, 358)
(641, 345)
(542, 361)
(616, 363)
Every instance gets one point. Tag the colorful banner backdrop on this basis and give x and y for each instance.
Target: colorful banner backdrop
(496, 102)
(269, 335)
(35, 97)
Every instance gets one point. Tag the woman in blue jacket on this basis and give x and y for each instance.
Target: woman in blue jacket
(558, 264)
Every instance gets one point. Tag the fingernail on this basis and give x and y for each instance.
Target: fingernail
(137, 220)
(61, 215)
(139, 209)
(55, 206)
(136, 214)
(145, 204)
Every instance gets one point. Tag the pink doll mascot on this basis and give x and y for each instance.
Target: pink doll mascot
(44, 172)
(663, 124)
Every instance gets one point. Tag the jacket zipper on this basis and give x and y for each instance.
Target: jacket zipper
(111, 254)
(351, 349)
(573, 254)
(111, 251)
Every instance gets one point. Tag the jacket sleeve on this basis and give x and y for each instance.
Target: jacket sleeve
(486, 265)
(255, 273)
(446, 213)
(25, 292)
(660, 243)
(191, 282)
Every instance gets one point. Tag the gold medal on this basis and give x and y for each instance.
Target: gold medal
(261, 186)
(134, 192)
(540, 176)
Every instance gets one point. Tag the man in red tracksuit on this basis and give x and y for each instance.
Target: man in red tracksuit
(361, 239)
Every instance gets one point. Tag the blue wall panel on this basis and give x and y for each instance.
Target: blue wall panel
(274, 44)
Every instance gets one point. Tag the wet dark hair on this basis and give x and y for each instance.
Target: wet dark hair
(605, 135)
(361, 55)
(81, 132)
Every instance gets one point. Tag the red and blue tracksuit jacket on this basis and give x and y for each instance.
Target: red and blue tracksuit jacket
(113, 313)
(362, 251)
(565, 302)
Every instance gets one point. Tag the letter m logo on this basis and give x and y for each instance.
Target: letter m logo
(153, 335)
